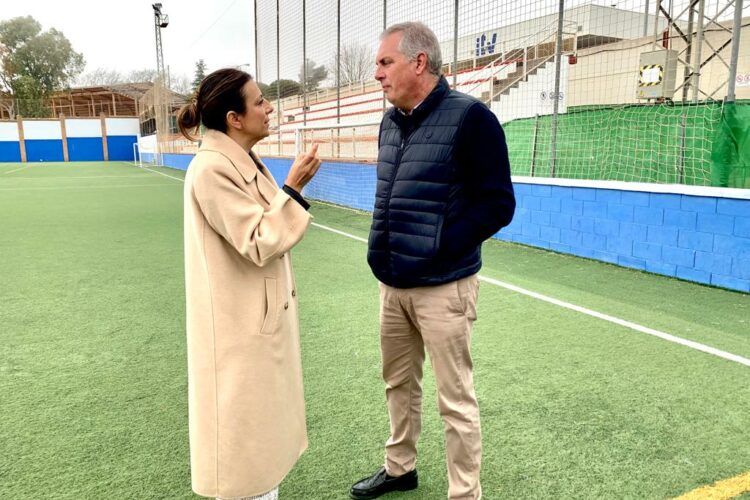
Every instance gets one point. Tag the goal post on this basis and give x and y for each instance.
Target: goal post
(349, 151)
(354, 141)
(148, 152)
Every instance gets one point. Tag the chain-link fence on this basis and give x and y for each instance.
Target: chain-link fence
(634, 90)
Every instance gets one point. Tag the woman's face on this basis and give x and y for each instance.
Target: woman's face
(255, 122)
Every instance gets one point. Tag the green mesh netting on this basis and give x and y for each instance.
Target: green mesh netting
(730, 158)
(684, 144)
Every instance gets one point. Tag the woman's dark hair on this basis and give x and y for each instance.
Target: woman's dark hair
(218, 94)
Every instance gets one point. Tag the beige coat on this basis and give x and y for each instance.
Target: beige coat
(246, 406)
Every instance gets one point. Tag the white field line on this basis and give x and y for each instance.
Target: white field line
(16, 170)
(583, 310)
(63, 177)
(103, 186)
(321, 226)
(567, 305)
(165, 175)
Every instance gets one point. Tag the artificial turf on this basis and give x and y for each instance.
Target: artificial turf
(93, 365)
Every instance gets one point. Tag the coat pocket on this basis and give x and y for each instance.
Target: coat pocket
(270, 318)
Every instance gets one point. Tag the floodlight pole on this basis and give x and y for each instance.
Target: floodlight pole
(160, 21)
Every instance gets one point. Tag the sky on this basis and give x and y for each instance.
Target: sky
(119, 34)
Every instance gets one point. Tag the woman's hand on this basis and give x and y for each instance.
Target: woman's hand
(303, 169)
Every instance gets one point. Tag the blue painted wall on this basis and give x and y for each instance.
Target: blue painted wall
(347, 184)
(696, 238)
(44, 150)
(10, 151)
(178, 161)
(120, 147)
(85, 149)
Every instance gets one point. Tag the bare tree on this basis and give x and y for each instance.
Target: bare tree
(99, 76)
(357, 63)
(181, 84)
(141, 75)
(104, 76)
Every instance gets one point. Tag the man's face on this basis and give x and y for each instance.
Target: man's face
(396, 73)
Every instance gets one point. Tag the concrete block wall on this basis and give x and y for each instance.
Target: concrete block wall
(693, 233)
(697, 234)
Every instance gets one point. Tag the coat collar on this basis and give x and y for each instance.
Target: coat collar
(219, 142)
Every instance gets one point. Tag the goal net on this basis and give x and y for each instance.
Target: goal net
(147, 152)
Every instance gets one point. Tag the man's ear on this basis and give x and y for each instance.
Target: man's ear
(233, 120)
(421, 63)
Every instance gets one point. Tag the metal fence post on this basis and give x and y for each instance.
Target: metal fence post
(736, 29)
(556, 103)
(338, 80)
(278, 78)
(681, 158)
(304, 63)
(455, 43)
(533, 143)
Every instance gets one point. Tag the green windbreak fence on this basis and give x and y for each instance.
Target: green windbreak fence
(700, 144)
(730, 158)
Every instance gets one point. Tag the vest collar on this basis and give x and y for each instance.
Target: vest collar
(419, 113)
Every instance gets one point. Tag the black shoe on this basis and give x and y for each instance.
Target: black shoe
(381, 483)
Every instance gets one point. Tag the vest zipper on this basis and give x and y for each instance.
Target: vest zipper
(404, 138)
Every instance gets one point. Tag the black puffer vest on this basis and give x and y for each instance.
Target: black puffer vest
(418, 188)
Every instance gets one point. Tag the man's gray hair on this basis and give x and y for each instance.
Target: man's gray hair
(416, 38)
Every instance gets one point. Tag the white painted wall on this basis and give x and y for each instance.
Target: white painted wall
(42, 129)
(122, 126)
(83, 128)
(8, 131)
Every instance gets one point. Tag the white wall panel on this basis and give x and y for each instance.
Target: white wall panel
(122, 126)
(42, 130)
(83, 128)
(8, 131)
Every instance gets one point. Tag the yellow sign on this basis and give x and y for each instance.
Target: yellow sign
(650, 75)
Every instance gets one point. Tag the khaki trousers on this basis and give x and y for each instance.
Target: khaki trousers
(438, 318)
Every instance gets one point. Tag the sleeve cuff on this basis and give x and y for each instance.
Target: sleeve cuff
(296, 197)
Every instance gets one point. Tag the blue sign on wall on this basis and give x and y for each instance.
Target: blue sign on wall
(484, 45)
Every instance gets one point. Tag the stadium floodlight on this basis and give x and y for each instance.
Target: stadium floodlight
(161, 20)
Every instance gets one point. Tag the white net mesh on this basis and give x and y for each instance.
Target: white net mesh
(635, 94)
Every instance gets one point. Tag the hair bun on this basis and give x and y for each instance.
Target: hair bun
(189, 118)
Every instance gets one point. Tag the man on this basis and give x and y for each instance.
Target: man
(443, 188)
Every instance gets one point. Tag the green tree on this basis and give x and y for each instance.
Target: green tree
(285, 88)
(264, 89)
(200, 74)
(315, 75)
(35, 63)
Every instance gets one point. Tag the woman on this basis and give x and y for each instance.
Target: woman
(246, 406)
